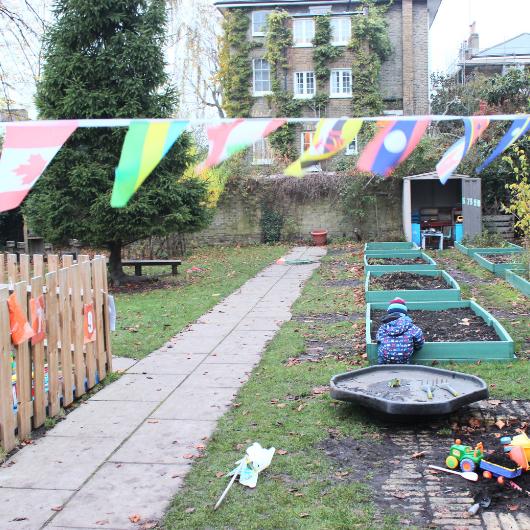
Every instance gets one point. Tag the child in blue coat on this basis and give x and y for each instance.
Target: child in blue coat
(398, 337)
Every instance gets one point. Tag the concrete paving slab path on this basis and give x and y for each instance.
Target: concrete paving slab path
(126, 451)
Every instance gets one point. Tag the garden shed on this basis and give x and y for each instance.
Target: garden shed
(453, 209)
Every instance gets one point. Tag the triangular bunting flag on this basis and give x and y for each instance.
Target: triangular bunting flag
(518, 129)
(146, 144)
(331, 137)
(227, 139)
(474, 127)
(27, 151)
(392, 145)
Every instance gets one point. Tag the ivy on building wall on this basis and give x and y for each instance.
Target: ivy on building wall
(235, 71)
(371, 45)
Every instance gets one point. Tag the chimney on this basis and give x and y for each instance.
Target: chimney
(472, 41)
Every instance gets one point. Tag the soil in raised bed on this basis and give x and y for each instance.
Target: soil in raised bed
(396, 261)
(449, 325)
(502, 258)
(406, 281)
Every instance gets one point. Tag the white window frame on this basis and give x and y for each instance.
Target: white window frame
(307, 41)
(258, 93)
(305, 93)
(259, 33)
(352, 149)
(262, 147)
(343, 40)
(316, 166)
(340, 93)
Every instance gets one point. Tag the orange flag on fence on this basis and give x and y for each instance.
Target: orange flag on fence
(18, 323)
(89, 323)
(36, 308)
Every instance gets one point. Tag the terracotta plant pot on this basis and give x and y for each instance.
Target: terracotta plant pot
(320, 237)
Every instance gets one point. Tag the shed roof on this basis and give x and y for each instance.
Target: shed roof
(519, 45)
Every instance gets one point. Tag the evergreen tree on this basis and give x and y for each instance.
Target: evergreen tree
(105, 59)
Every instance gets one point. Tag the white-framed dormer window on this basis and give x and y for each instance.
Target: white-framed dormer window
(304, 84)
(306, 138)
(352, 148)
(303, 31)
(259, 23)
(261, 77)
(340, 85)
(340, 31)
(262, 153)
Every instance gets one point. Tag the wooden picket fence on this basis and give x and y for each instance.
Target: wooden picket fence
(36, 380)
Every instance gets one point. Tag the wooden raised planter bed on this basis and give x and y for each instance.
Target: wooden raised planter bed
(450, 293)
(518, 282)
(389, 246)
(470, 251)
(499, 269)
(426, 263)
(469, 351)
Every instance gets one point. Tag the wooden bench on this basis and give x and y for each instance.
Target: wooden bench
(139, 263)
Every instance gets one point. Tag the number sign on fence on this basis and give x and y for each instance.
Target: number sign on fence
(59, 363)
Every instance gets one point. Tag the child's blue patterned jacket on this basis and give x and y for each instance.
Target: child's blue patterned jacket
(398, 340)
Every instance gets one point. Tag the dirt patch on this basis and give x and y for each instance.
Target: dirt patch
(450, 325)
(337, 348)
(395, 261)
(406, 280)
(342, 283)
(502, 258)
(148, 284)
(327, 318)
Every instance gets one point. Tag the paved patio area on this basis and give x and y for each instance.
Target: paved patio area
(126, 451)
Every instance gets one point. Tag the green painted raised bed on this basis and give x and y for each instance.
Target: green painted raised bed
(390, 245)
(501, 350)
(518, 282)
(424, 295)
(499, 269)
(429, 265)
(469, 251)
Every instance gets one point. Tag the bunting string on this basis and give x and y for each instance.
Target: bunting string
(29, 146)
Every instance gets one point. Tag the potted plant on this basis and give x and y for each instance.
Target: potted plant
(320, 237)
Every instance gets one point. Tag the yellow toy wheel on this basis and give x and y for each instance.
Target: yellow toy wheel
(451, 462)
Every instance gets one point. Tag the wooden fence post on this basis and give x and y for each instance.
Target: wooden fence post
(23, 371)
(38, 265)
(24, 268)
(97, 282)
(39, 398)
(87, 299)
(12, 269)
(68, 260)
(52, 325)
(66, 337)
(53, 262)
(78, 338)
(2, 267)
(7, 417)
(106, 320)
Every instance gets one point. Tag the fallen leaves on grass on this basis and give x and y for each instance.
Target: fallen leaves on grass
(282, 451)
(303, 515)
(219, 474)
(320, 390)
(189, 510)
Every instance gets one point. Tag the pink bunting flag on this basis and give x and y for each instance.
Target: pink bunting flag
(27, 151)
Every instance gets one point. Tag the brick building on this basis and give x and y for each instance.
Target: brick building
(404, 78)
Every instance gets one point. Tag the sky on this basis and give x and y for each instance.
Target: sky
(496, 21)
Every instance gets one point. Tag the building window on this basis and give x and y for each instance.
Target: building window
(259, 23)
(305, 144)
(262, 153)
(340, 84)
(303, 31)
(304, 84)
(262, 77)
(341, 31)
(352, 148)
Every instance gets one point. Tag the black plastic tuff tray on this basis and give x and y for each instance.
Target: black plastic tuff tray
(370, 387)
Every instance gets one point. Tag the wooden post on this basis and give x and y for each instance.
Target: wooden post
(87, 299)
(7, 418)
(97, 282)
(2, 267)
(68, 260)
(82, 258)
(38, 265)
(53, 262)
(12, 271)
(78, 337)
(39, 398)
(24, 268)
(23, 371)
(52, 325)
(66, 337)
(106, 314)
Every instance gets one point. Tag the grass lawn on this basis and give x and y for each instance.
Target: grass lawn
(286, 405)
(147, 319)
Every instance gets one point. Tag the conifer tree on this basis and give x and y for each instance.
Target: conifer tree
(105, 59)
